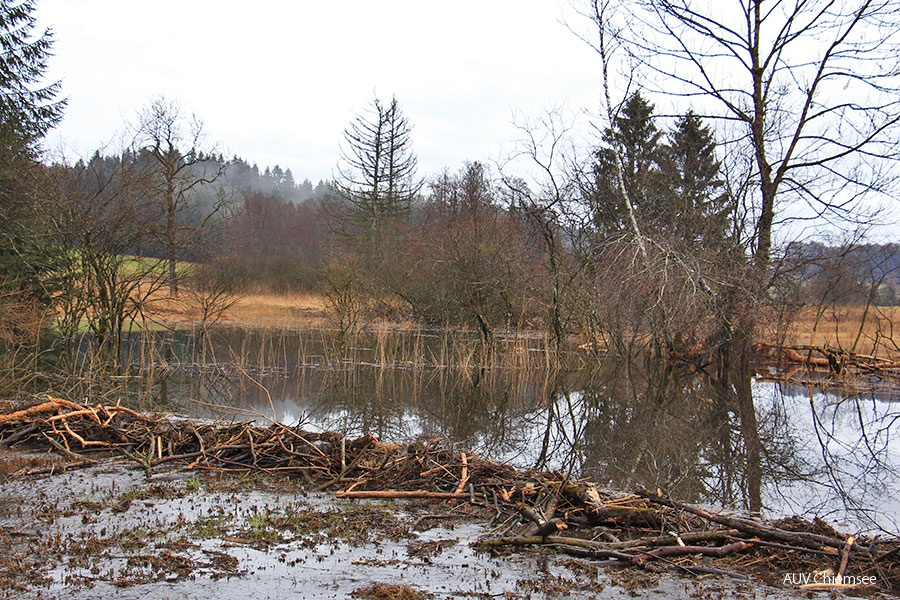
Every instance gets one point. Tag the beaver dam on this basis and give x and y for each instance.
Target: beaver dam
(593, 533)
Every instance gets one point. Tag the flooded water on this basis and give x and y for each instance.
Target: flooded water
(798, 451)
(107, 532)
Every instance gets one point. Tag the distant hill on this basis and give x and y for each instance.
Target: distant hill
(845, 274)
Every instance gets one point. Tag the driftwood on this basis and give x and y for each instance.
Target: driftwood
(645, 542)
(542, 526)
(824, 365)
(399, 494)
(813, 541)
(640, 530)
(670, 551)
(49, 406)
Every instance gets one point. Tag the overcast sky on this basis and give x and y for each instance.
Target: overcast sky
(277, 81)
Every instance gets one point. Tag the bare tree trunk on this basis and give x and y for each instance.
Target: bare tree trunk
(749, 431)
(171, 257)
(768, 188)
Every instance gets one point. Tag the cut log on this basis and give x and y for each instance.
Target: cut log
(399, 494)
(758, 529)
(463, 475)
(715, 551)
(51, 405)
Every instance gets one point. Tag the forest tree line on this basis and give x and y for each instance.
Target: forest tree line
(474, 245)
(660, 235)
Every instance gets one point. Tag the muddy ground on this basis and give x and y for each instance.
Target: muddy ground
(108, 532)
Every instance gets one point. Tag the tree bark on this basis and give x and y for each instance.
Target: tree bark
(400, 494)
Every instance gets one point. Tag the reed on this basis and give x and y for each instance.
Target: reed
(444, 360)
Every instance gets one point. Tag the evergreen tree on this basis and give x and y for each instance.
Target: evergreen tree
(325, 192)
(696, 208)
(288, 186)
(28, 110)
(305, 190)
(635, 140)
(673, 184)
(277, 177)
(377, 173)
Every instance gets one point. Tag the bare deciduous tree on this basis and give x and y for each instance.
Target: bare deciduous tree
(173, 141)
(468, 259)
(810, 89)
(546, 145)
(211, 290)
(100, 215)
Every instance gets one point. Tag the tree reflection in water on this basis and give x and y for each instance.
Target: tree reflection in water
(850, 444)
(741, 442)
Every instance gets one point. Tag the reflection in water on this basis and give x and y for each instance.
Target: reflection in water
(850, 449)
(741, 444)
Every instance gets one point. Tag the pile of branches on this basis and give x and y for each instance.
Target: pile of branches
(643, 530)
(824, 366)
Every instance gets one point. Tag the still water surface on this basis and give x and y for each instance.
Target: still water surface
(623, 425)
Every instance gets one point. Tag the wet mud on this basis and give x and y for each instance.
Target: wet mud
(107, 531)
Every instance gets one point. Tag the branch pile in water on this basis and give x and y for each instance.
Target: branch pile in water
(644, 529)
(824, 366)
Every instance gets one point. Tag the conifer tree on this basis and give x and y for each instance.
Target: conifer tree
(377, 174)
(28, 110)
(635, 140)
(696, 208)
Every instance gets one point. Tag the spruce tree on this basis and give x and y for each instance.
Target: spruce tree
(697, 209)
(635, 140)
(28, 110)
(28, 107)
(377, 175)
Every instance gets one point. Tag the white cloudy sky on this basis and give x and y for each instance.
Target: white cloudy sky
(277, 81)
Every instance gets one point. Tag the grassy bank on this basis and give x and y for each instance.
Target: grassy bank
(260, 309)
(854, 327)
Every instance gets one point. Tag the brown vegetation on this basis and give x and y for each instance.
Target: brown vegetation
(575, 517)
(837, 329)
(263, 309)
(841, 327)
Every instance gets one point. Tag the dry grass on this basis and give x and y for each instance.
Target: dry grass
(839, 327)
(258, 308)
(278, 309)
(263, 309)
